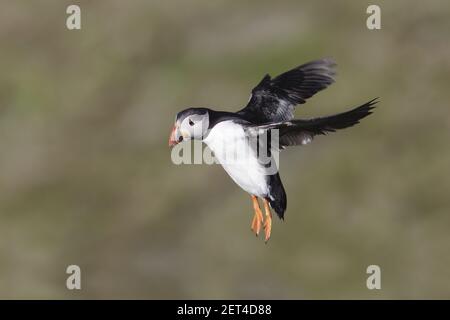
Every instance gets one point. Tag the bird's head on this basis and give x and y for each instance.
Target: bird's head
(189, 124)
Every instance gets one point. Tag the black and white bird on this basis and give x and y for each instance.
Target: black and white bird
(270, 107)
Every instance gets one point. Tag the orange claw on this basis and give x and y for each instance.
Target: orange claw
(258, 217)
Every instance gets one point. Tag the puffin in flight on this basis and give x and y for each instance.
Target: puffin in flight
(270, 107)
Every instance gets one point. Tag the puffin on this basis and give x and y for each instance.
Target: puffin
(265, 126)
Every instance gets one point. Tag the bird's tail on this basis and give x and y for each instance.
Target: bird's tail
(277, 195)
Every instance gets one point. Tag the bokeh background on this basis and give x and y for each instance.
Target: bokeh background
(86, 176)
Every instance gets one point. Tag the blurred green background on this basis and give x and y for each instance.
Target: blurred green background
(86, 176)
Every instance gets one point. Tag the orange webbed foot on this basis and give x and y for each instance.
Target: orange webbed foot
(257, 218)
(268, 222)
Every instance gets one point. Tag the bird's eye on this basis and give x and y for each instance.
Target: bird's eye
(191, 123)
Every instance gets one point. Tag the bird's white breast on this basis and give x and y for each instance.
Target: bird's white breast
(231, 148)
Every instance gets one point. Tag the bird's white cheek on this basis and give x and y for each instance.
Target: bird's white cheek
(185, 134)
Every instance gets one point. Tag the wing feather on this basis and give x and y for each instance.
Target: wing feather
(302, 131)
(273, 100)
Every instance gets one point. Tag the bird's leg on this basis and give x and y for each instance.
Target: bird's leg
(268, 222)
(258, 217)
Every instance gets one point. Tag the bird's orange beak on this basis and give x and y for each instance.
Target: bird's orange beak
(173, 136)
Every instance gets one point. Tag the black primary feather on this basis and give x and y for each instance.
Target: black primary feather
(273, 100)
(302, 131)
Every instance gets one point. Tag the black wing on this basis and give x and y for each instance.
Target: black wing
(273, 100)
(302, 131)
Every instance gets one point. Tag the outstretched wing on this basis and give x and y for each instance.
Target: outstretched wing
(302, 131)
(273, 100)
